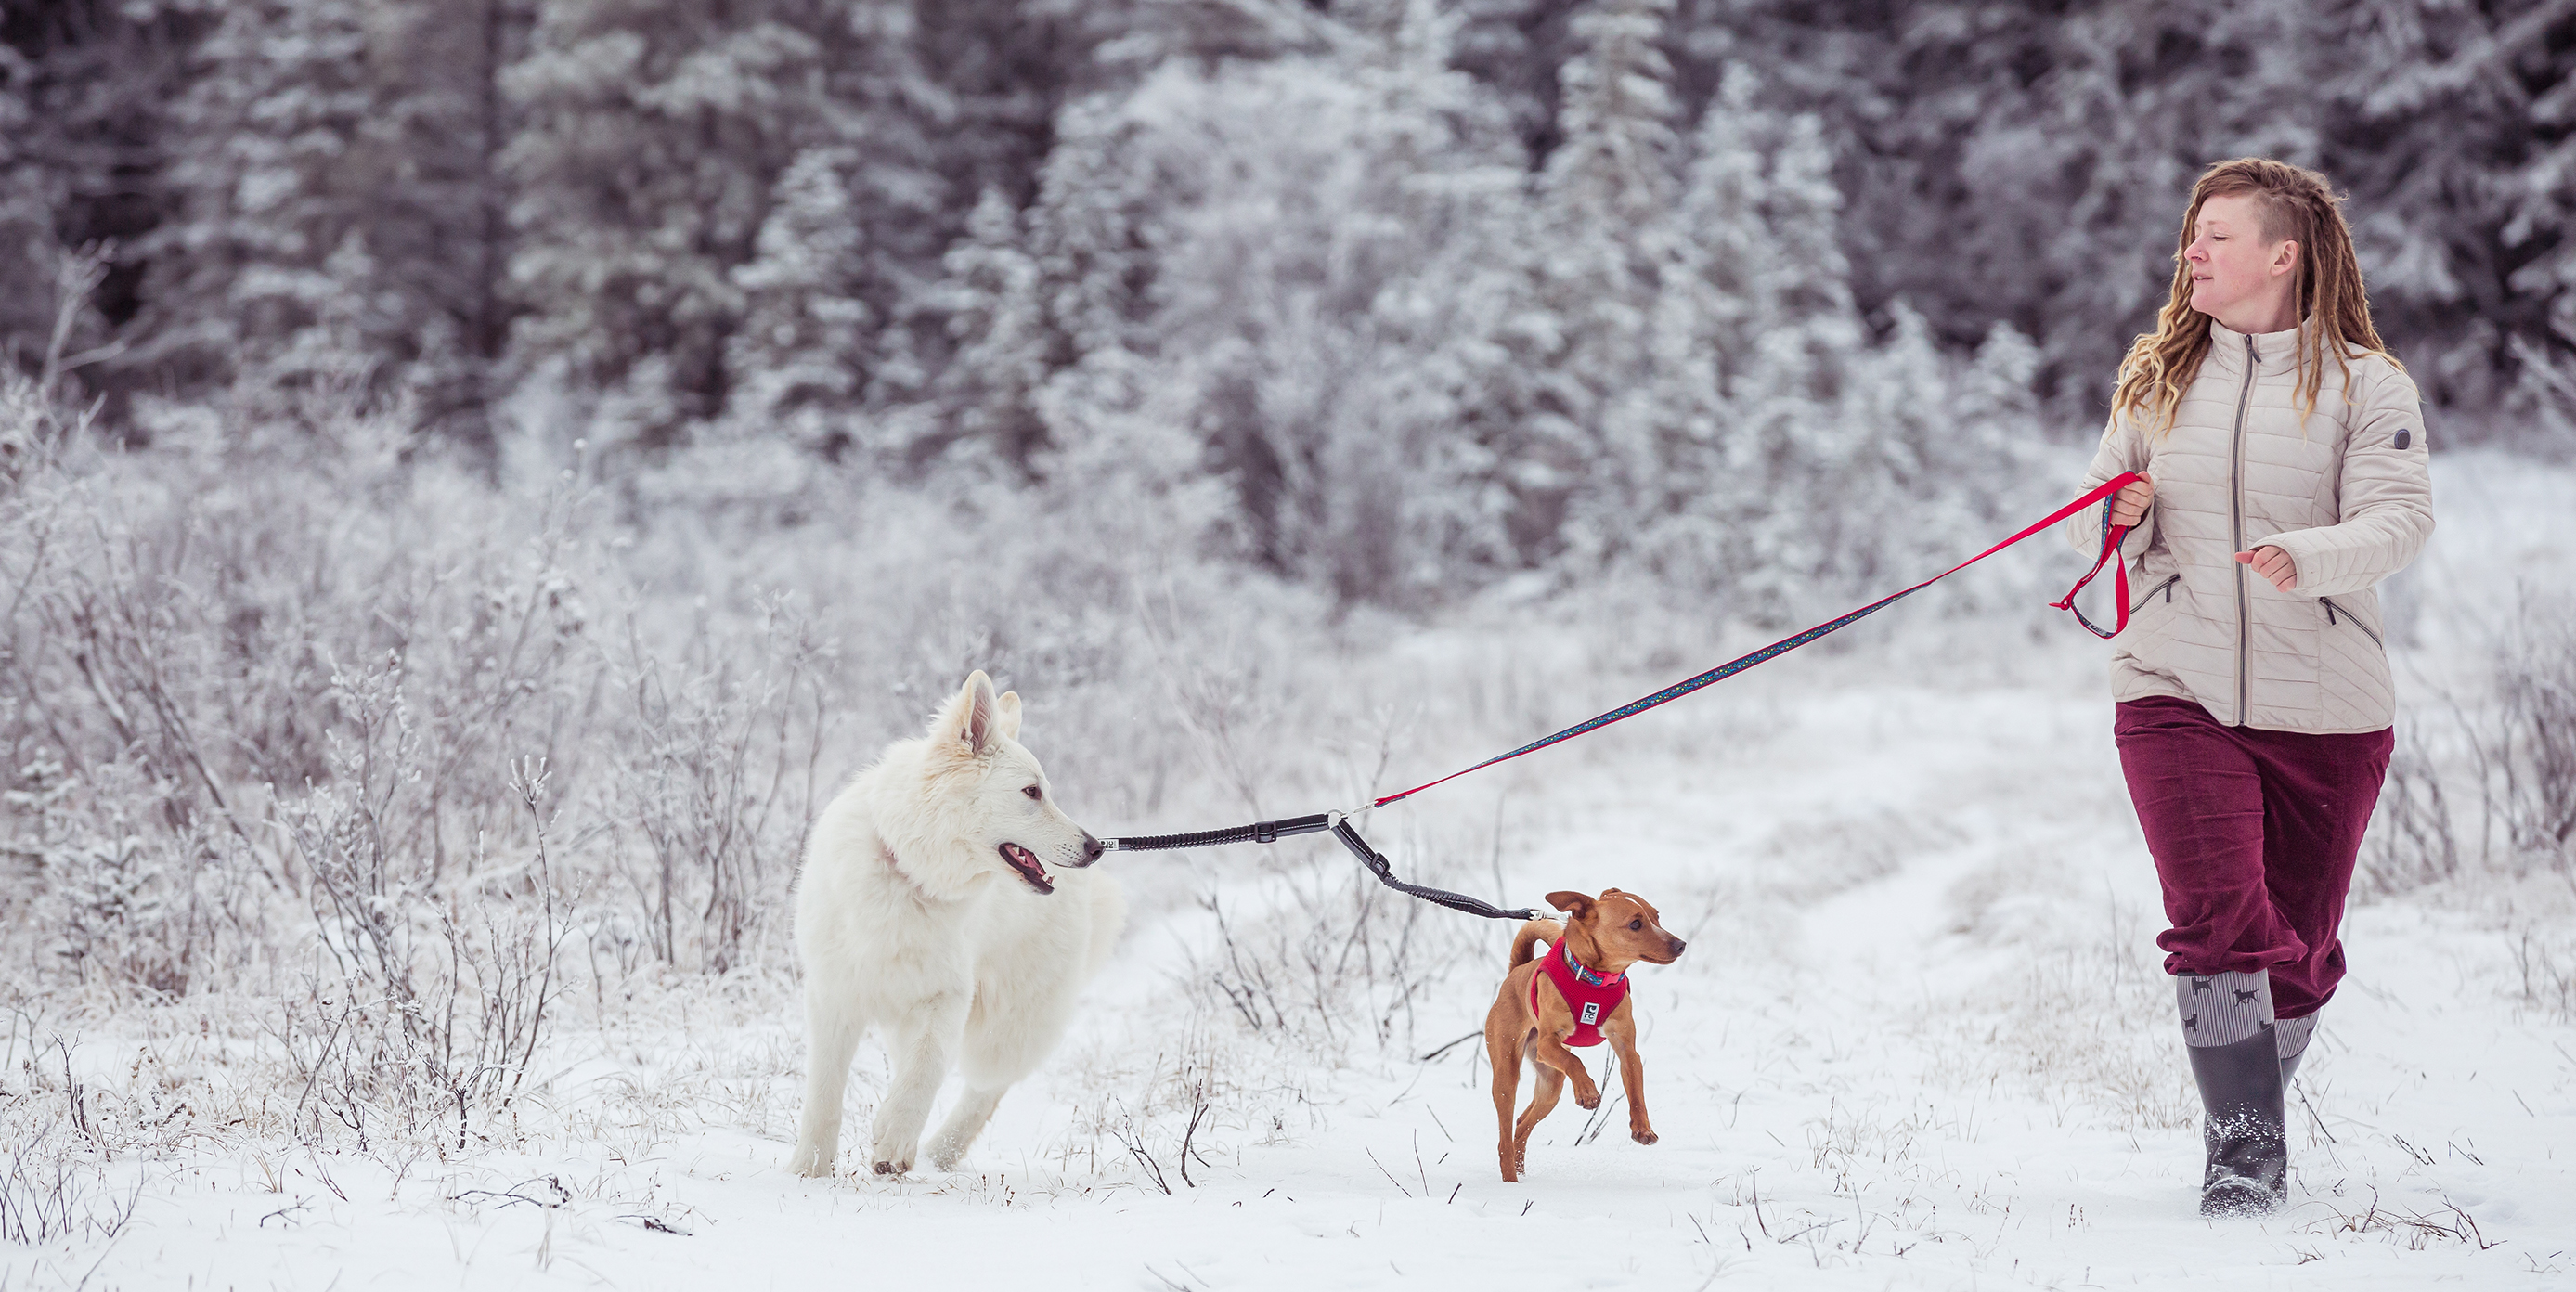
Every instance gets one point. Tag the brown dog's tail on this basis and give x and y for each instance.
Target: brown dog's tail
(1530, 935)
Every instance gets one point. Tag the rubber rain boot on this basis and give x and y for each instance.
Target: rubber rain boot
(2236, 1061)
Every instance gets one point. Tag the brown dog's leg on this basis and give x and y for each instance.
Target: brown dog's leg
(1553, 1056)
(1550, 1083)
(1505, 1055)
(1622, 1031)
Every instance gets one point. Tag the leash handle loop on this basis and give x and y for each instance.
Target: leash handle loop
(2112, 537)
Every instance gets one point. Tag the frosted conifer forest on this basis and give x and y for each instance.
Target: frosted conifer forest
(477, 476)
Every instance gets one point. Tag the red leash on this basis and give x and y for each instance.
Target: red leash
(2111, 537)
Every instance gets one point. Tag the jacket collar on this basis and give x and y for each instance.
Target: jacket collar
(2276, 353)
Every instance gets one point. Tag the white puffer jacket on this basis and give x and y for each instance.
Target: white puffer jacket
(2346, 492)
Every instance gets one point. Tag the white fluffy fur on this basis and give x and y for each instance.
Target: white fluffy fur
(909, 921)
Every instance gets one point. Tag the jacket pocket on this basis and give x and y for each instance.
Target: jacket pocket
(2164, 589)
(2343, 615)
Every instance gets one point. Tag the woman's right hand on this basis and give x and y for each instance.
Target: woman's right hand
(2129, 506)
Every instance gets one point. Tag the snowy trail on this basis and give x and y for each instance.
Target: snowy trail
(1923, 1050)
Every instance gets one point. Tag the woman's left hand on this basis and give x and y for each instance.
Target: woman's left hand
(2274, 564)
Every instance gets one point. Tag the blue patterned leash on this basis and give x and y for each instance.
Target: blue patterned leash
(2111, 537)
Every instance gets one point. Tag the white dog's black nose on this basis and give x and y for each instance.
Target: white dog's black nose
(1091, 848)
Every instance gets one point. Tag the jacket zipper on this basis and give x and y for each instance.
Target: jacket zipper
(2165, 587)
(2328, 603)
(2236, 529)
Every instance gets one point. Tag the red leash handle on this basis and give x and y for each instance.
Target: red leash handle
(2111, 536)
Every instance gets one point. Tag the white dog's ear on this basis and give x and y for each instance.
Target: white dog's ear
(1006, 709)
(968, 718)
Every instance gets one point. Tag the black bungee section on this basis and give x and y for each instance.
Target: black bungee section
(1371, 858)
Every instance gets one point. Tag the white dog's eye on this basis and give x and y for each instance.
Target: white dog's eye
(1033, 791)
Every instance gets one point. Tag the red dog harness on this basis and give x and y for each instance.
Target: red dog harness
(1588, 994)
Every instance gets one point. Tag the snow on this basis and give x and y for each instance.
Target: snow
(1919, 1040)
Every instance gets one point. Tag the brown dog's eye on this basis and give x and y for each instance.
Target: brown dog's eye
(1636, 924)
(1033, 791)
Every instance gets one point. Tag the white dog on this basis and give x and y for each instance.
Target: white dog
(944, 903)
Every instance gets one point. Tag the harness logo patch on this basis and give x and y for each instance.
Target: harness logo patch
(1591, 1011)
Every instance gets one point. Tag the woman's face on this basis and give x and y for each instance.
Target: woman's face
(2237, 276)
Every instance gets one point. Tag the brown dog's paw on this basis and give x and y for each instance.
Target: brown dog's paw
(1587, 1100)
(1642, 1135)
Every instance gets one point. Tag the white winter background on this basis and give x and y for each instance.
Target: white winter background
(474, 479)
(1920, 1038)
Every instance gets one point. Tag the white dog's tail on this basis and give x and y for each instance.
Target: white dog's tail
(1530, 935)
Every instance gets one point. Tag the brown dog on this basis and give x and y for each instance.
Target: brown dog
(1533, 1015)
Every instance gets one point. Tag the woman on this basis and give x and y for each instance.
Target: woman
(2286, 476)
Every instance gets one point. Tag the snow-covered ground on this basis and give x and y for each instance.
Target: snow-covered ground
(1920, 1040)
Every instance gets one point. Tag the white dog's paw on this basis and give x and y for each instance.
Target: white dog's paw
(811, 1162)
(889, 1161)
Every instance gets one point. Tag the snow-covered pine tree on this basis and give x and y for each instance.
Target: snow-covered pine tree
(2464, 215)
(1467, 383)
(1800, 456)
(98, 80)
(802, 353)
(1754, 333)
(1002, 346)
(648, 162)
(1515, 47)
(1607, 195)
(27, 201)
(1342, 331)
(335, 218)
(1092, 232)
(447, 120)
(260, 269)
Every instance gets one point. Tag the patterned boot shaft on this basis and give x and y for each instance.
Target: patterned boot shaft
(2223, 1008)
(2292, 1035)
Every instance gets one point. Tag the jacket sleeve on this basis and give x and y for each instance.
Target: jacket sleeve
(2120, 452)
(2384, 502)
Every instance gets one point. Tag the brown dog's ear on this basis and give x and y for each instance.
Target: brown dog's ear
(1575, 905)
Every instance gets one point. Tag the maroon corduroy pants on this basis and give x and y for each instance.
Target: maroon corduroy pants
(2254, 834)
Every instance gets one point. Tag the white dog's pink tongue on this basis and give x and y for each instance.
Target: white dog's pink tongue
(1026, 862)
